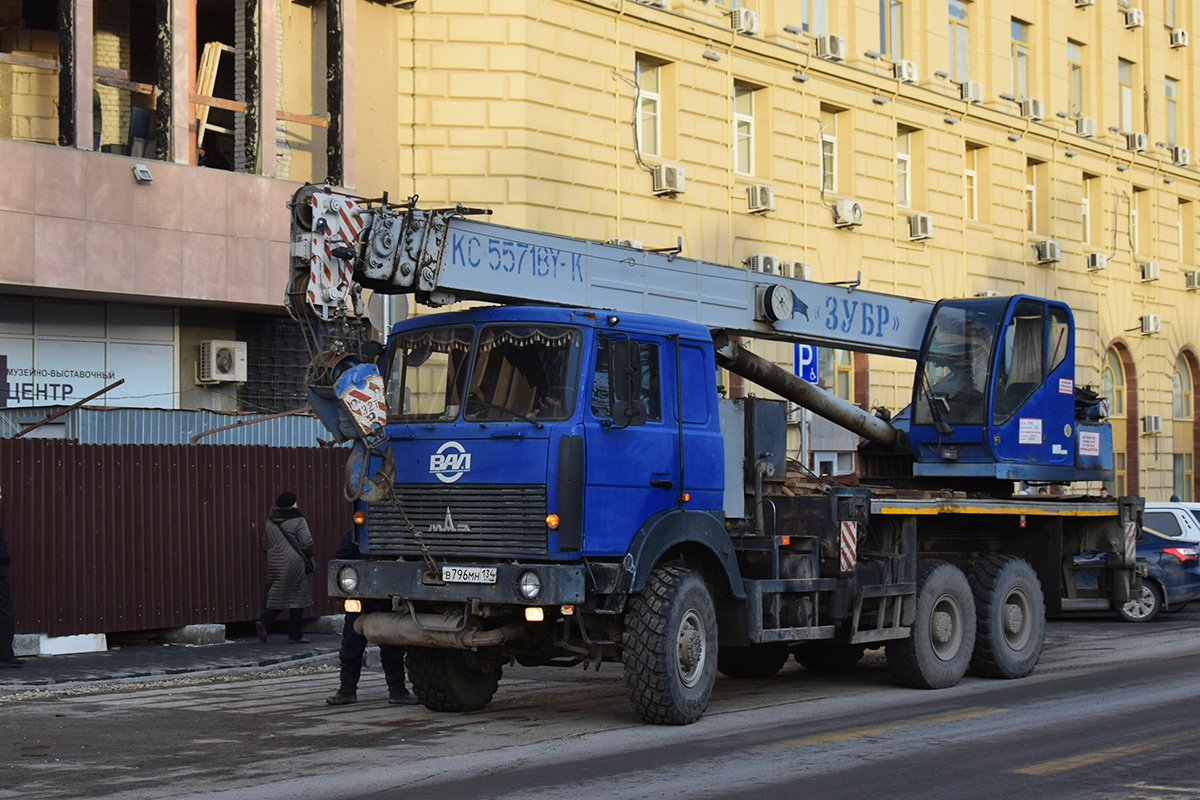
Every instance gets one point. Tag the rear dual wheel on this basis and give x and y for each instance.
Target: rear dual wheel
(1010, 617)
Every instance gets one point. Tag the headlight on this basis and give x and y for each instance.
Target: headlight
(529, 585)
(347, 578)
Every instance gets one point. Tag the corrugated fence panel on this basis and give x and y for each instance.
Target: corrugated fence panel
(108, 538)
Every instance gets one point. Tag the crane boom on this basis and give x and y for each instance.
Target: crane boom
(444, 256)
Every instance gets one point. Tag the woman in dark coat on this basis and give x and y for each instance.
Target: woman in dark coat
(288, 545)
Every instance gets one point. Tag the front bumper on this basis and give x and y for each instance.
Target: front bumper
(562, 584)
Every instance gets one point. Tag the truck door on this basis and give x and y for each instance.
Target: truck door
(632, 469)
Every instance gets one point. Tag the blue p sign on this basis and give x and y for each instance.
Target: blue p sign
(804, 362)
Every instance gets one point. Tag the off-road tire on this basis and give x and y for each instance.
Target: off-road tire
(828, 656)
(669, 647)
(1010, 617)
(443, 680)
(752, 663)
(1145, 607)
(938, 651)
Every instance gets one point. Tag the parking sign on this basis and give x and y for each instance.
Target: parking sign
(804, 362)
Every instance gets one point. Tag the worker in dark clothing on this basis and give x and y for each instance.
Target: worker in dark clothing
(354, 644)
(8, 619)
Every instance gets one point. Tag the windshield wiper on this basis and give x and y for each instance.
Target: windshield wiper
(475, 401)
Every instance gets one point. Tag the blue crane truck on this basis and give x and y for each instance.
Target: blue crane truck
(559, 478)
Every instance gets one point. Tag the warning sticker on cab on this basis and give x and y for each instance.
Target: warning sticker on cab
(1066, 386)
(1089, 444)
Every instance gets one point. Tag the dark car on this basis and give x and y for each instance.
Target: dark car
(1172, 579)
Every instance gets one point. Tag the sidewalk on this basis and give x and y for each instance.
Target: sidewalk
(160, 660)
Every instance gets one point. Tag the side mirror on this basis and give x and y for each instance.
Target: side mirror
(625, 379)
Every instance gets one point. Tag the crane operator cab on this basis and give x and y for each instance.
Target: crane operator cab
(995, 395)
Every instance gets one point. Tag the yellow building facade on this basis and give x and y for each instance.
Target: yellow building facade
(1000, 146)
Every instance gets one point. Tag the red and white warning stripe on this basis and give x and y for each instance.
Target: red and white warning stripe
(849, 537)
(1131, 535)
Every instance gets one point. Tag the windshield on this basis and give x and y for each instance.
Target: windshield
(955, 371)
(524, 372)
(426, 376)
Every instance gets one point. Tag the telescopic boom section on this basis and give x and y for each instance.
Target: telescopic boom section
(341, 243)
(737, 359)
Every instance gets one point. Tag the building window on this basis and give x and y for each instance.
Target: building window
(960, 41)
(828, 150)
(904, 167)
(1075, 71)
(1125, 92)
(1184, 476)
(1187, 233)
(649, 108)
(743, 128)
(1136, 221)
(1181, 390)
(1031, 197)
(1020, 59)
(1172, 92)
(1085, 206)
(1112, 384)
(971, 184)
(891, 29)
(835, 370)
(814, 16)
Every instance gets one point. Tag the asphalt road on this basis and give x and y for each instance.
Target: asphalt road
(1109, 713)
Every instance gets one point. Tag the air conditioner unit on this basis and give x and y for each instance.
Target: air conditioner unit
(1181, 156)
(668, 179)
(831, 47)
(1047, 252)
(905, 71)
(222, 362)
(1179, 38)
(1134, 18)
(760, 197)
(971, 91)
(1097, 261)
(743, 20)
(1083, 3)
(847, 213)
(1151, 323)
(987, 293)
(1086, 127)
(1137, 142)
(636, 244)
(800, 270)
(1152, 424)
(655, 3)
(1193, 279)
(1032, 108)
(920, 226)
(763, 262)
(1149, 271)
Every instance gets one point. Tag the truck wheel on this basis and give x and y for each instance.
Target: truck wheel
(670, 647)
(451, 680)
(755, 661)
(1010, 617)
(938, 651)
(828, 656)
(1143, 607)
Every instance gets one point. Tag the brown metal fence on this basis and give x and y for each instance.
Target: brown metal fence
(108, 538)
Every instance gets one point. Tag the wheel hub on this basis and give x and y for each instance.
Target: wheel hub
(691, 648)
(1014, 618)
(943, 627)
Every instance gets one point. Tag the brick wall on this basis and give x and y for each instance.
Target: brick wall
(29, 95)
(110, 23)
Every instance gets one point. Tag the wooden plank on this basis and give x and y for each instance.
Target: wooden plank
(303, 119)
(216, 102)
(136, 88)
(29, 61)
(108, 72)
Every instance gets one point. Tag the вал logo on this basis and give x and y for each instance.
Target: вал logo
(450, 462)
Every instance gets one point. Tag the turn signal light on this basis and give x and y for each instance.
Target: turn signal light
(684, 497)
(360, 517)
(353, 607)
(552, 521)
(784, 541)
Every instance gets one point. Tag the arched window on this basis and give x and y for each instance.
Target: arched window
(1183, 480)
(1112, 389)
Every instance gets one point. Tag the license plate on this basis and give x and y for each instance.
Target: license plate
(469, 574)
